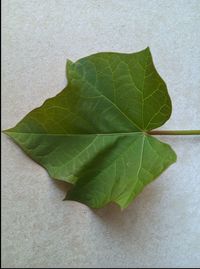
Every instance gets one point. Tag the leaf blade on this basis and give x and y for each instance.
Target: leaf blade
(96, 127)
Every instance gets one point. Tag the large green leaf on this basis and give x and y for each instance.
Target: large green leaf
(94, 133)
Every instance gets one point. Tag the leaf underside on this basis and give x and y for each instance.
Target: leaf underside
(93, 134)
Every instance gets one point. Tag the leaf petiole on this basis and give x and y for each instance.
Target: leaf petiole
(175, 132)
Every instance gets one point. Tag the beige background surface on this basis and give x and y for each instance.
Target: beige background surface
(161, 228)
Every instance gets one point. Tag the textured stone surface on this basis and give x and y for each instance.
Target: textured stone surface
(161, 228)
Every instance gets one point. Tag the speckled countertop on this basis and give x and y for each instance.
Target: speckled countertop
(161, 227)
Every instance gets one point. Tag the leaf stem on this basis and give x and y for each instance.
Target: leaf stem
(175, 132)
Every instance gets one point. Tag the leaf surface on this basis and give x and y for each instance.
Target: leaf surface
(93, 134)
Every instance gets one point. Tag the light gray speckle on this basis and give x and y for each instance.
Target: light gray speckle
(161, 228)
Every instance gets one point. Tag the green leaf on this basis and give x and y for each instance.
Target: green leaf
(93, 134)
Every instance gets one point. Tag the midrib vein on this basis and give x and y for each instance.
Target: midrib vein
(54, 134)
